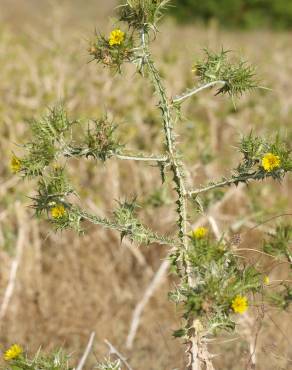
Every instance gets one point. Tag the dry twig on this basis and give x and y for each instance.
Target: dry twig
(22, 231)
(114, 351)
(86, 352)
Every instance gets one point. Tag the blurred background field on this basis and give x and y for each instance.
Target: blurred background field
(66, 285)
(236, 13)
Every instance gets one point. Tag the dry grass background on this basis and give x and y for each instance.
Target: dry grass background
(67, 286)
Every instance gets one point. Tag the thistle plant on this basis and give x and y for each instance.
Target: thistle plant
(213, 283)
(18, 359)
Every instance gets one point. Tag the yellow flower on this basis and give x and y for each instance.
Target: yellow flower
(58, 211)
(116, 37)
(266, 280)
(13, 352)
(239, 304)
(199, 233)
(15, 164)
(270, 161)
(56, 167)
(195, 70)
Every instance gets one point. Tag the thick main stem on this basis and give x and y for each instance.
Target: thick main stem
(175, 165)
(196, 361)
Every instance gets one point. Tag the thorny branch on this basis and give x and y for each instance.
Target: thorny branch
(234, 180)
(194, 91)
(146, 235)
(197, 351)
(83, 152)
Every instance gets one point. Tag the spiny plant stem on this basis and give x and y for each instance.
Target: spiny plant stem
(195, 347)
(220, 184)
(141, 158)
(108, 224)
(83, 152)
(195, 91)
(175, 165)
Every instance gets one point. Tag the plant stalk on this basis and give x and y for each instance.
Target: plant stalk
(234, 180)
(196, 90)
(195, 360)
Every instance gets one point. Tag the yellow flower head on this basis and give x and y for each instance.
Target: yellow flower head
(239, 304)
(199, 233)
(266, 280)
(58, 211)
(195, 69)
(116, 37)
(270, 161)
(13, 352)
(15, 164)
(56, 167)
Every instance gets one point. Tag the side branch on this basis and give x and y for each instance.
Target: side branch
(196, 90)
(141, 158)
(87, 152)
(134, 231)
(234, 180)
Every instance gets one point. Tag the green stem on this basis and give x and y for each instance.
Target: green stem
(141, 158)
(234, 180)
(82, 152)
(175, 165)
(195, 347)
(150, 237)
(196, 90)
